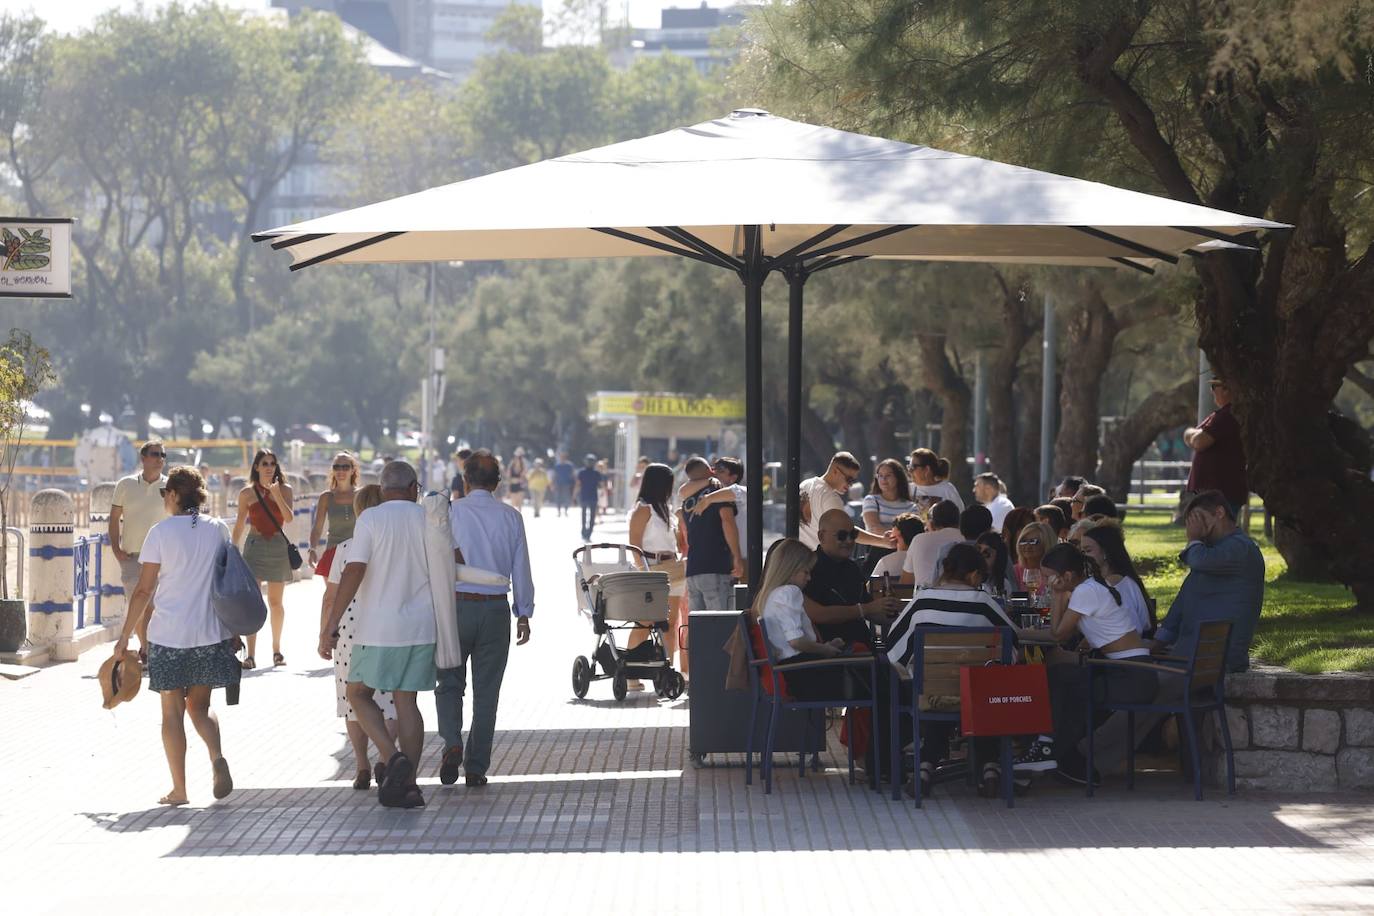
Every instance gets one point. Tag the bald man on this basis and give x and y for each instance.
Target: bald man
(837, 597)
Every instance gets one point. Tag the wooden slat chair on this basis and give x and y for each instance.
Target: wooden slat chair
(937, 655)
(1204, 691)
(779, 701)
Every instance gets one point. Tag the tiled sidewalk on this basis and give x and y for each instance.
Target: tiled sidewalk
(595, 805)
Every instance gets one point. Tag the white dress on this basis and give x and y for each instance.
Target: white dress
(343, 651)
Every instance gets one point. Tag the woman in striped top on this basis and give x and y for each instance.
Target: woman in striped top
(957, 600)
(889, 497)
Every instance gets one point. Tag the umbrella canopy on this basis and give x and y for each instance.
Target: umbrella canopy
(798, 181)
(754, 194)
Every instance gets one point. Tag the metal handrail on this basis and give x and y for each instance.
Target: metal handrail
(21, 558)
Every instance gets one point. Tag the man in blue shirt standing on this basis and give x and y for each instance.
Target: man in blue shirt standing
(1225, 579)
(563, 473)
(588, 489)
(488, 535)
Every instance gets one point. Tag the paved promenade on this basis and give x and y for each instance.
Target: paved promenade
(594, 806)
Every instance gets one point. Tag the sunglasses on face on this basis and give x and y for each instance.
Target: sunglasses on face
(343, 467)
(843, 536)
(1031, 542)
(267, 464)
(154, 454)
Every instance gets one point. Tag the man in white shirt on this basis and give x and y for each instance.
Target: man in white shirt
(489, 535)
(987, 489)
(924, 552)
(830, 491)
(395, 629)
(136, 507)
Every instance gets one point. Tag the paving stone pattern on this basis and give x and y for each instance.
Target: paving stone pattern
(595, 804)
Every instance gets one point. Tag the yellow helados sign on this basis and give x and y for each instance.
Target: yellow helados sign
(640, 404)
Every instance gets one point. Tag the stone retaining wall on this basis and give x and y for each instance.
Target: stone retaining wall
(1300, 732)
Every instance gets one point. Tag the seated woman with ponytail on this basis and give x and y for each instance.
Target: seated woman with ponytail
(1085, 607)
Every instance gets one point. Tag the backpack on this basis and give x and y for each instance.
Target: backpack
(234, 592)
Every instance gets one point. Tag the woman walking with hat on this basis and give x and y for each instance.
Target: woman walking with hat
(190, 652)
(266, 506)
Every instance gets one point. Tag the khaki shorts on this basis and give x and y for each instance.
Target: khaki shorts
(129, 571)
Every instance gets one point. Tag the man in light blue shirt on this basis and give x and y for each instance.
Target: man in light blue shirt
(488, 535)
(1225, 580)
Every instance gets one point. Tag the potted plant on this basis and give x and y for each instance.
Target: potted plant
(25, 368)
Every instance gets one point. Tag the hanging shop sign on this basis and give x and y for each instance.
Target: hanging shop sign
(36, 257)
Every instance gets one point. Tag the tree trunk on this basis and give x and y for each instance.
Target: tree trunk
(1002, 371)
(955, 400)
(1129, 439)
(1089, 338)
(1285, 338)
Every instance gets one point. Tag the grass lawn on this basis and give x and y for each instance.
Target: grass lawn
(1306, 626)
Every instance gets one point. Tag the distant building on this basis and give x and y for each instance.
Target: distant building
(313, 188)
(447, 36)
(693, 33)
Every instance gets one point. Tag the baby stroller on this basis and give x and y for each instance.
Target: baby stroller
(623, 595)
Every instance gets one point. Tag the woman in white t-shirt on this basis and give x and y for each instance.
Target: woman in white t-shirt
(790, 633)
(366, 498)
(1085, 607)
(1105, 544)
(930, 473)
(190, 652)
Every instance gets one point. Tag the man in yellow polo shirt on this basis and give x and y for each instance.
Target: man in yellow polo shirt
(136, 507)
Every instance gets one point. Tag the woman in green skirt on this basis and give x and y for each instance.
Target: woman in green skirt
(265, 508)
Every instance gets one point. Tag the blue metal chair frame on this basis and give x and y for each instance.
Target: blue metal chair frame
(1204, 691)
(778, 703)
(918, 675)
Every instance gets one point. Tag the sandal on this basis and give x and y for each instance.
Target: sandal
(248, 664)
(224, 783)
(171, 802)
(362, 781)
(278, 660)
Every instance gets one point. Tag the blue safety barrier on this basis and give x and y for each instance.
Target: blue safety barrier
(85, 556)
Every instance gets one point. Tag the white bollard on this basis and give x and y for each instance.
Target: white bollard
(52, 619)
(114, 602)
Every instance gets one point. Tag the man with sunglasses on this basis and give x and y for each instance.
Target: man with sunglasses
(137, 506)
(1218, 454)
(831, 491)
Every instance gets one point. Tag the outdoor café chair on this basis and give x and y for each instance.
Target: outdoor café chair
(937, 655)
(779, 702)
(1204, 691)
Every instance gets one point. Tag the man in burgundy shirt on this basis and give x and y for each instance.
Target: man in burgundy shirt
(1218, 455)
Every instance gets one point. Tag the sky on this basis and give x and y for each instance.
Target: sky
(73, 15)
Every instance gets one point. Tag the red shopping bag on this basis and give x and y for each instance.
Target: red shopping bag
(1004, 700)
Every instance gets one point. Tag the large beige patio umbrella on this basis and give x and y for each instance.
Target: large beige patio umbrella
(754, 193)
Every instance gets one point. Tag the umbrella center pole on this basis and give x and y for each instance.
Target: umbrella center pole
(753, 272)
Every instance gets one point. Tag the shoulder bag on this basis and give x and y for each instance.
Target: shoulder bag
(293, 556)
(234, 592)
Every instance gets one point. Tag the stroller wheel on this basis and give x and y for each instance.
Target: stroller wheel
(619, 684)
(673, 685)
(581, 676)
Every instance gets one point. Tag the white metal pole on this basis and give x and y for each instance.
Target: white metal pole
(1047, 395)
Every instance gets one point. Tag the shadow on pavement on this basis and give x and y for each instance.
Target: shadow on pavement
(634, 790)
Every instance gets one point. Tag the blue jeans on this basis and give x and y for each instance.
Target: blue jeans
(710, 592)
(484, 631)
(588, 520)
